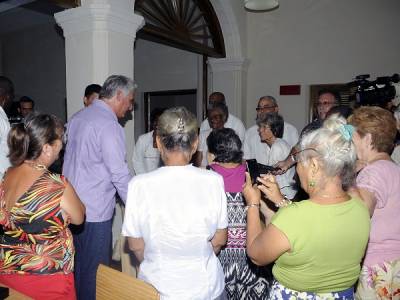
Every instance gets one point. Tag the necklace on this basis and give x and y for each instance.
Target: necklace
(36, 166)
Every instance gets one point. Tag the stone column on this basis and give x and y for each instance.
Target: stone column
(99, 37)
(228, 75)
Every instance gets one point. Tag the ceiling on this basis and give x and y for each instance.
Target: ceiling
(192, 25)
(19, 14)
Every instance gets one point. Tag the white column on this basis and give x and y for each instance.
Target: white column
(99, 37)
(228, 75)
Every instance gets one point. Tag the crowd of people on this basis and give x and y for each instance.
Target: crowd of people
(325, 219)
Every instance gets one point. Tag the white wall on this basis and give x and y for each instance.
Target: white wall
(315, 42)
(33, 58)
(161, 68)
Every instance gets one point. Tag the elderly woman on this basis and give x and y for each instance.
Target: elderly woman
(176, 216)
(36, 250)
(217, 116)
(379, 185)
(270, 129)
(243, 279)
(317, 244)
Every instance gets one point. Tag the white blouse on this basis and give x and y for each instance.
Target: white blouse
(203, 148)
(145, 157)
(177, 210)
(279, 151)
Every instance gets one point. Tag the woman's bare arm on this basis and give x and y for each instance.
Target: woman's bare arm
(369, 199)
(72, 205)
(263, 245)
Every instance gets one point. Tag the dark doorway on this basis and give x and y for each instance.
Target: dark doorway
(167, 99)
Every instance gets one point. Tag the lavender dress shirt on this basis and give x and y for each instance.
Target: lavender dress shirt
(95, 160)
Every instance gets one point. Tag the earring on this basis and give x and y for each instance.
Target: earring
(312, 182)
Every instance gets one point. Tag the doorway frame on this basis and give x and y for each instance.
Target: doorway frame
(147, 101)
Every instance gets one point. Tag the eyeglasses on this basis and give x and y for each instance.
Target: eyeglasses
(260, 108)
(296, 157)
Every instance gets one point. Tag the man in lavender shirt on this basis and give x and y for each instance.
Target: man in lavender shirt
(95, 165)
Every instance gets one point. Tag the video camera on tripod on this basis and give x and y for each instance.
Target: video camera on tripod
(375, 93)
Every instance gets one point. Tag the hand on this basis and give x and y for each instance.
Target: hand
(251, 193)
(283, 165)
(270, 188)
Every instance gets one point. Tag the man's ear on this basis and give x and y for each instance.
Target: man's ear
(119, 95)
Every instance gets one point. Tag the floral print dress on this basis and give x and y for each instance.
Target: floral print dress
(36, 237)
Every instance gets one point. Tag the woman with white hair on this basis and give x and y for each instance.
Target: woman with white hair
(317, 244)
(176, 216)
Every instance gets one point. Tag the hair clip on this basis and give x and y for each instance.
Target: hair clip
(181, 125)
(25, 126)
(347, 131)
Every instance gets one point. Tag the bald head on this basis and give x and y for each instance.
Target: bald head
(266, 104)
(216, 97)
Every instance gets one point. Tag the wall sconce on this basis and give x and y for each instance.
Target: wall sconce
(260, 5)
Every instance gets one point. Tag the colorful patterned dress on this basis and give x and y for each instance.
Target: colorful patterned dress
(243, 279)
(36, 237)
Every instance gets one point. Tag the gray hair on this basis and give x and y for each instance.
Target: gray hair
(267, 97)
(274, 121)
(177, 129)
(333, 149)
(114, 83)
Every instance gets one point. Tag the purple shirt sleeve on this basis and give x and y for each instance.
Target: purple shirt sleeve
(114, 156)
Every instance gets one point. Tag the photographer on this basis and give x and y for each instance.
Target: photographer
(317, 244)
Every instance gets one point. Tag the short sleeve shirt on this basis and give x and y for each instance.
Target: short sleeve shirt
(177, 210)
(327, 245)
(382, 178)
